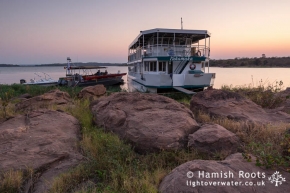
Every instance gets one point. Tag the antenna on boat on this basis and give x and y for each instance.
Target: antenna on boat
(181, 24)
(68, 65)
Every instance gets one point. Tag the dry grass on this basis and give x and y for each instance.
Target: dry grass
(7, 110)
(264, 94)
(267, 142)
(11, 181)
(80, 110)
(68, 181)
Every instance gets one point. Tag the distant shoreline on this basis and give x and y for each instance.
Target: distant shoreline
(273, 62)
(63, 64)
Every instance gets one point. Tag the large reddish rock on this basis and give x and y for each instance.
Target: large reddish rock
(149, 121)
(53, 97)
(92, 92)
(234, 174)
(213, 138)
(222, 103)
(45, 141)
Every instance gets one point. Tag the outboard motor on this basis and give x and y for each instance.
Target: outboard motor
(22, 81)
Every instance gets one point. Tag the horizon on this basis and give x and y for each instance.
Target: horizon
(236, 58)
(47, 32)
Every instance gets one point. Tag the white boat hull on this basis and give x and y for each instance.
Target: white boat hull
(155, 82)
(42, 83)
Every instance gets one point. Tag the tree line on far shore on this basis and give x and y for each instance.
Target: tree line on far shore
(65, 64)
(237, 62)
(252, 62)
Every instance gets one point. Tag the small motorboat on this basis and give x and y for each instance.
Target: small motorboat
(42, 81)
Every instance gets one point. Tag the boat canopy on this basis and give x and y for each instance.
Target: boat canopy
(145, 36)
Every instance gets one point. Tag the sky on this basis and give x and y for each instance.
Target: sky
(49, 31)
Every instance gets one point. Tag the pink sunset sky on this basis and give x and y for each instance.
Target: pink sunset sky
(38, 32)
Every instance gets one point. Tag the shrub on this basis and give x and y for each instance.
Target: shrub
(265, 96)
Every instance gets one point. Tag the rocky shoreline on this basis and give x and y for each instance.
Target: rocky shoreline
(43, 137)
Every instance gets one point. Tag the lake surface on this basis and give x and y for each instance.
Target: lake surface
(224, 76)
(246, 76)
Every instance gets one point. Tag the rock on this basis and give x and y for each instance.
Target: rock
(25, 96)
(222, 103)
(149, 121)
(92, 92)
(2, 120)
(44, 140)
(208, 175)
(53, 97)
(213, 138)
(20, 98)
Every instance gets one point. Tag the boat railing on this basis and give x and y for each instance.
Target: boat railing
(46, 76)
(136, 55)
(169, 50)
(204, 50)
(181, 66)
(40, 78)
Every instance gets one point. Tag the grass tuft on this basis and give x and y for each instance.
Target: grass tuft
(264, 94)
(11, 181)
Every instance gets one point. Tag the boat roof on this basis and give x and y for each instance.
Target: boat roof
(85, 67)
(195, 35)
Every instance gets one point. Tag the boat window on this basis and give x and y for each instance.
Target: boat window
(170, 66)
(188, 42)
(146, 66)
(153, 66)
(181, 41)
(162, 66)
(135, 68)
(177, 42)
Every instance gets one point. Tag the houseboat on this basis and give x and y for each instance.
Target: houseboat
(162, 59)
(89, 76)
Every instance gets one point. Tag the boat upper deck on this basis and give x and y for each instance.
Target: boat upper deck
(169, 42)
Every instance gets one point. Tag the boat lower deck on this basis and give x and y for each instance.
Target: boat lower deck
(105, 82)
(134, 85)
(158, 82)
(82, 81)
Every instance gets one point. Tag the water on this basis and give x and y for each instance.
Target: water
(253, 76)
(11, 75)
(224, 76)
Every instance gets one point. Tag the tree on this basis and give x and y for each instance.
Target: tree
(257, 62)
